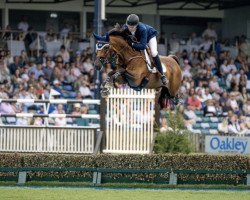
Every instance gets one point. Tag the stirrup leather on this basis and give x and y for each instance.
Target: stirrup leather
(164, 80)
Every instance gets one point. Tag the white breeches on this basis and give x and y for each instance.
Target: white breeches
(153, 46)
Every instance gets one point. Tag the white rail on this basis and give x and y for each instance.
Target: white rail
(49, 140)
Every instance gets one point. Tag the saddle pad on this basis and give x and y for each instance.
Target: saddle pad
(148, 61)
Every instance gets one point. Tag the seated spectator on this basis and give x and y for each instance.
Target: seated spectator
(244, 95)
(37, 70)
(209, 109)
(243, 46)
(193, 102)
(233, 102)
(23, 94)
(231, 65)
(218, 109)
(234, 127)
(195, 61)
(83, 121)
(174, 43)
(76, 111)
(85, 90)
(23, 121)
(210, 32)
(224, 69)
(226, 108)
(23, 25)
(87, 65)
(206, 96)
(211, 61)
(65, 31)
(246, 107)
(15, 65)
(186, 69)
(194, 39)
(223, 127)
(199, 97)
(75, 71)
(214, 85)
(7, 108)
(206, 45)
(48, 70)
(190, 118)
(51, 35)
(59, 121)
(38, 121)
(63, 93)
(3, 91)
(63, 53)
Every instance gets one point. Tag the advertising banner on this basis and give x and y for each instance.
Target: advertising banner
(227, 144)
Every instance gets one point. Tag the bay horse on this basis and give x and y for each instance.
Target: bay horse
(132, 68)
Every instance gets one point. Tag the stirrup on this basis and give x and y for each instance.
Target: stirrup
(164, 80)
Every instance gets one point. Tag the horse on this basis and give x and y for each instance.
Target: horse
(132, 68)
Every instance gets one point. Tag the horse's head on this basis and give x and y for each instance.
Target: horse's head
(111, 47)
(103, 55)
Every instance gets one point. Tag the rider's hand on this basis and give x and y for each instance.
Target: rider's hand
(130, 43)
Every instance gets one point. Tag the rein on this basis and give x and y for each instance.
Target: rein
(120, 51)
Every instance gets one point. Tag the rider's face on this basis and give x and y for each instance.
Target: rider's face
(132, 28)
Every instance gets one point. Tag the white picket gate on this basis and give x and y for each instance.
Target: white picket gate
(129, 121)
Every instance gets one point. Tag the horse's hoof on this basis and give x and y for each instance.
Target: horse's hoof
(108, 85)
(105, 92)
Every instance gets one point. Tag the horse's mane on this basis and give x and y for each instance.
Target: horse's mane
(118, 32)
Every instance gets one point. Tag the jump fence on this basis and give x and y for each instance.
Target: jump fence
(48, 139)
(129, 121)
(129, 118)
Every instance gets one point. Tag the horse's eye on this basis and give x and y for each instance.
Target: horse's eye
(106, 48)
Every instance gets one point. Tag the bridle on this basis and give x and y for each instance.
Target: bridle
(113, 58)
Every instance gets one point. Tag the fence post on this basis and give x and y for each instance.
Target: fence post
(248, 179)
(98, 142)
(22, 176)
(97, 176)
(172, 178)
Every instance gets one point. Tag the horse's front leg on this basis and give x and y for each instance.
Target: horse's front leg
(109, 82)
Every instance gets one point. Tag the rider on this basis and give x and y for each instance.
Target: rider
(145, 34)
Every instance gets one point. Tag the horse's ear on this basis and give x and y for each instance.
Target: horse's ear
(101, 38)
(117, 26)
(96, 36)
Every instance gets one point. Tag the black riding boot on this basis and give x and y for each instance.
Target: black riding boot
(159, 68)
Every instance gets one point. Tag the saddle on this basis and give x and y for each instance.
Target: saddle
(149, 60)
(146, 53)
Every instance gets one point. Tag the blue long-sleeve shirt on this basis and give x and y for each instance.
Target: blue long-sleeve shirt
(143, 34)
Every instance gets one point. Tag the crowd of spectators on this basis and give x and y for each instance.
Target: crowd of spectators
(214, 81)
(30, 76)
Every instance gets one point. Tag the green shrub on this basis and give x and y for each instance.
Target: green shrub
(175, 140)
(154, 161)
(172, 142)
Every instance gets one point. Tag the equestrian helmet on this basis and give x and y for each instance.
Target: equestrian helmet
(132, 20)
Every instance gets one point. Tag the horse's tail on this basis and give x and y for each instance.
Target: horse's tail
(175, 58)
(163, 97)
